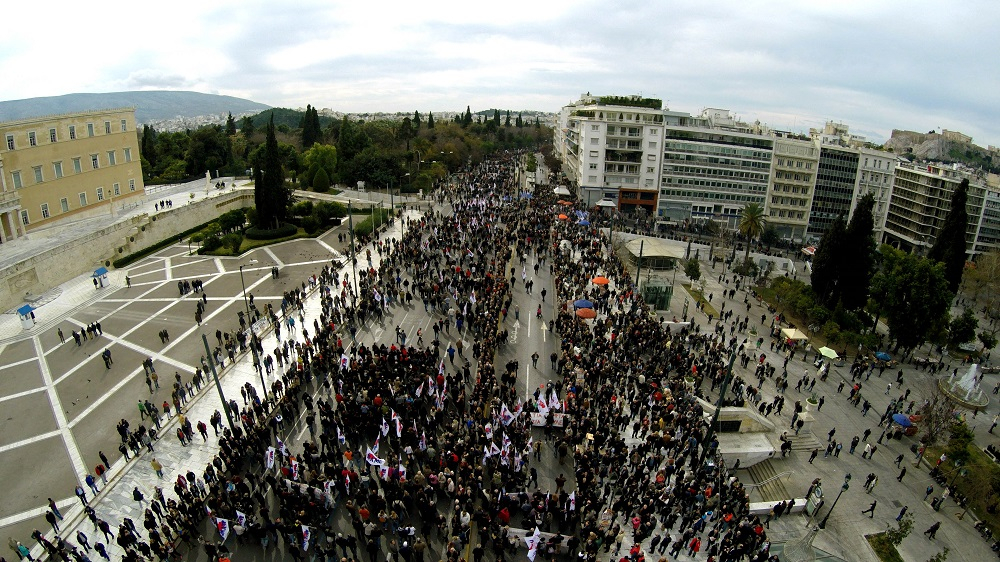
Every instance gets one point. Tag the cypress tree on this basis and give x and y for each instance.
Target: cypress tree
(507, 121)
(430, 120)
(230, 125)
(416, 120)
(270, 195)
(950, 247)
(828, 263)
(855, 276)
(467, 120)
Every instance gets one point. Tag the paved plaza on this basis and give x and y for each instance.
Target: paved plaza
(61, 404)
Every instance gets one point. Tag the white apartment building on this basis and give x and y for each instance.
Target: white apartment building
(611, 148)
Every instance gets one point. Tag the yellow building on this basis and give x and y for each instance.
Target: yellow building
(61, 166)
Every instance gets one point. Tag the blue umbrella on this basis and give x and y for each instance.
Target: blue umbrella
(883, 356)
(902, 419)
(583, 303)
(584, 223)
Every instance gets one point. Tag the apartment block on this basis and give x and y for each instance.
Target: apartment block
(920, 202)
(610, 148)
(71, 165)
(793, 183)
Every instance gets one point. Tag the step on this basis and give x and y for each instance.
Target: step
(774, 490)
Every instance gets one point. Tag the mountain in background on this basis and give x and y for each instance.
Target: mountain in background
(150, 106)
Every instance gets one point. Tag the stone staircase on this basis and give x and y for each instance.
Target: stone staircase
(773, 488)
(804, 442)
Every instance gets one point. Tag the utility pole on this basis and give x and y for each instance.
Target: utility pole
(354, 261)
(638, 267)
(218, 385)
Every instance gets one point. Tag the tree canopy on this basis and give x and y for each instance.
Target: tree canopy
(911, 292)
(271, 197)
(751, 223)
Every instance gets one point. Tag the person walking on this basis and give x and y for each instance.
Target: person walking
(933, 530)
(899, 459)
(812, 456)
(902, 512)
(55, 509)
(51, 518)
(82, 540)
(157, 467)
(870, 510)
(902, 473)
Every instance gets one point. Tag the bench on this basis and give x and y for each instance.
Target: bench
(763, 508)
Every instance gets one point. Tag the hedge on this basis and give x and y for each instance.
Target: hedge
(123, 261)
(286, 229)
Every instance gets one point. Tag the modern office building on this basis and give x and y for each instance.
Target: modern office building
(921, 199)
(793, 183)
(610, 148)
(62, 166)
(713, 165)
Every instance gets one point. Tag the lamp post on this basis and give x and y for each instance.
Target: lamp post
(844, 488)
(218, 385)
(253, 335)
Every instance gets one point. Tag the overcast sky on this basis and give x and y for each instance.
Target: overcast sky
(874, 65)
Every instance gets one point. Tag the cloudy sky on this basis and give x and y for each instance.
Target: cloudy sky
(875, 65)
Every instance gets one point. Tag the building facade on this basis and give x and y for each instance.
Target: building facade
(71, 165)
(793, 183)
(610, 148)
(920, 202)
(713, 165)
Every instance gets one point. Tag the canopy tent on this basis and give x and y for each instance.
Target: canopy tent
(561, 191)
(586, 313)
(793, 334)
(809, 250)
(883, 356)
(583, 303)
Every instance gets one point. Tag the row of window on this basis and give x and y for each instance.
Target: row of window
(64, 202)
(797, 163)
(712, 172)
(708, 195)
(791, 188)
(708, 183)
(790, 176)
(57, 167)
(32, 136)
(788, 201)
(788, 214)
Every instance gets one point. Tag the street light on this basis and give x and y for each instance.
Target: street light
(253, 335)
(844, 488)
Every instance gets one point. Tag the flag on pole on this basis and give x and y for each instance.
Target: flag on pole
(281, 447)
(306, 535)
(385, 426)
(340, 436)
(423, 441)
(399, 424)
(343, 364)
(373, 459)
(533, 541)
(375, 446)
(420, 390)
(295, 469)
(269, 458)
(494, 450)
(241, 518)
(506, 416)
(572, 501)
(489, 431)
(441, 367)
(223, 526)
(402, 473)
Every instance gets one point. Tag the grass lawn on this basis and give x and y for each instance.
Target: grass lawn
(978, 462)
(885, 551)
(699, 297)
(249, 244)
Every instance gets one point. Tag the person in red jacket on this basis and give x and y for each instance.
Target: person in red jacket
(694, 547)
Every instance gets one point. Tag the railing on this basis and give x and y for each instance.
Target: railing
(756, 485)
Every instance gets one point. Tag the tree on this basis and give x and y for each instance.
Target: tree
(506, 122)
(941, 556)
(692, 269)
(319, 157)
(247, 126)
(856, 270)
(519, 123)
(430, 120)
(311, 129)
(912, 293)
(230, 125)
(416, 120)
(902, 530)
(963, 329)
(982, 284)
(751, 223)
(938, 417)
(467, 120)
(321, 181)
(770, 236)
(950, 247)
(988, 339)
(828, 263)
(271, 197)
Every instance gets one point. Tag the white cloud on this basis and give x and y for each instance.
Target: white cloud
(873, 64)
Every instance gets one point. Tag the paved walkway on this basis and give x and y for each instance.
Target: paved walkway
(114, 503)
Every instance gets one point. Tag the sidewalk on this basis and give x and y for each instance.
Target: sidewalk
(114, 503)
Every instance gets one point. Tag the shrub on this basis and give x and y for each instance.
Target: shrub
(311, 225)
(270, 234)
(233, 241)
(302, 208)
(211, 244)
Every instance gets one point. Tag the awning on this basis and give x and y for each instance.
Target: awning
(100, 271)
(793, 334)
(25, 310)
(809, 250)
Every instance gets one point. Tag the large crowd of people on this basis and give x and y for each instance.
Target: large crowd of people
(422, 450)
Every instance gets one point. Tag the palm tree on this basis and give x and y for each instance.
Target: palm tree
(751, 224)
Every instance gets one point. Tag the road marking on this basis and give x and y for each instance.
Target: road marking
(166, 268)
(30, 440)
(64, 428)
(330, 248)
(218, 265)
(274, 257)
(16, 363)
(25, 393)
